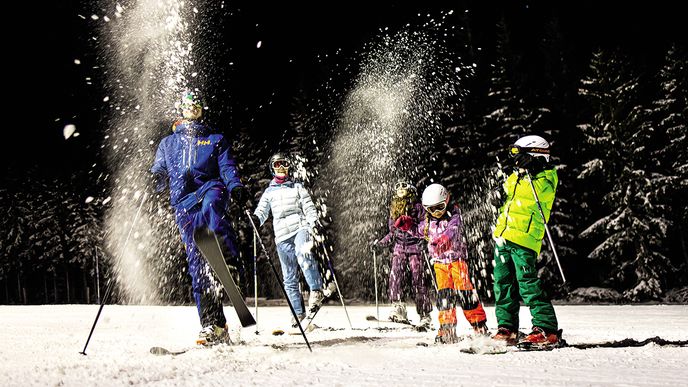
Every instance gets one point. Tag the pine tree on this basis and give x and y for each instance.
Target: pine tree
(620, 172)
(670, 114)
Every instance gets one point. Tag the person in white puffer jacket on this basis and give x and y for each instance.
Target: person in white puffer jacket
(294, 218)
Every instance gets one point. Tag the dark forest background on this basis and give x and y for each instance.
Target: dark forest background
(605, 83)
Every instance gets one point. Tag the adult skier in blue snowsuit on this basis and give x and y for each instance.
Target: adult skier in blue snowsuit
(198, 166)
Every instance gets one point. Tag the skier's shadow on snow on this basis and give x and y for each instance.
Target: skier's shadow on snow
(329, 342)
(625, 343)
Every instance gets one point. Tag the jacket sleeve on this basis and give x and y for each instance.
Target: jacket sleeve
(545, 186)
(228, 170)
(159, 169)
(263, 209)
(307, 205)
(385, 241)
(454, 232)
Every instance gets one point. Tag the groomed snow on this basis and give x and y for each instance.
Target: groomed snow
(41, 344)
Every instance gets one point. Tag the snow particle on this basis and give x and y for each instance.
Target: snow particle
(88, 199)
(260, 43)
(77, 62)
(68, 131)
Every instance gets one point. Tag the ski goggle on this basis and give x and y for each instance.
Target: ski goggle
(436, 209)
(403, 185)
(516, 150)
(280, 164)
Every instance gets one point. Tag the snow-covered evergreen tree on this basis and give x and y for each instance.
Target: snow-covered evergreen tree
(670, 117)
(621, 173)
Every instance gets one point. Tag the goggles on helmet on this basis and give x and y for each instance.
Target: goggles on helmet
(403, 185)
(515, 150)
(280, 164)
(436, 209)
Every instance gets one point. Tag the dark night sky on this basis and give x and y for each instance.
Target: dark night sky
(50, 86)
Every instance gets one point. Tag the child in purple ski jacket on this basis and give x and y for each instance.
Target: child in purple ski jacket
(406, 253)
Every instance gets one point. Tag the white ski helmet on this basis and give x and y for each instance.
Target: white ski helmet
(533, 145)
(435, 199)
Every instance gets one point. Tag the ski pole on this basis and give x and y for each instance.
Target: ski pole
(255, 280)
(544, 221)
(432, 274)
(336, 283)
(111, 282)
(377, 305)
(274, 271)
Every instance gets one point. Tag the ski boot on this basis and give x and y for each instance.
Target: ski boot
(315, 301)
(329, 290)
(294, 323)
(425, 323)
(540, 339)
(446, 336)
(213, 334)
(398, 313)
(480, 328)
(508, 336)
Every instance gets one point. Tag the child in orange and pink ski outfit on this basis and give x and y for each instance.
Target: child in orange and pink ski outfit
(443, 229)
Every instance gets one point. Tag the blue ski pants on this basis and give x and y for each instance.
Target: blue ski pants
(209, 213)
(294, 253)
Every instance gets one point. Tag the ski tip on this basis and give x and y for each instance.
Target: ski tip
(159, 351)
(422, 344)
(371, 318)
(483, 351)
(277, 332)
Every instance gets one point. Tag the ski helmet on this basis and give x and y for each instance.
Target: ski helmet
(404, 188)
(532, 145)
(278, 161)
(435, 199)
(191, 105)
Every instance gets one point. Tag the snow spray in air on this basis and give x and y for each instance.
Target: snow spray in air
(387, 130)
(147, 51)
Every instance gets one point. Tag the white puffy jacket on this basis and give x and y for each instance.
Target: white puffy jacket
(292, 209)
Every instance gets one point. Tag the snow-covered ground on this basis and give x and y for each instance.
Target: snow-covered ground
(41, 344)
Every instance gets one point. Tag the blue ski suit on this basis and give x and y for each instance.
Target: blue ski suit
(200, 171)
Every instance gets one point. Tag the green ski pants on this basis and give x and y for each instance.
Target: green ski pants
(515, 275)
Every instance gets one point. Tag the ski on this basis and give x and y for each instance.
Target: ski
(307, 322)
(209, 245)
(160, 351)
(407, 323)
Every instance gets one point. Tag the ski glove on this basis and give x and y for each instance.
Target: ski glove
(404, 223)
(239, 197)
(442, 244)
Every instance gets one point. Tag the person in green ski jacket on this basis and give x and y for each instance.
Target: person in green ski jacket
(518, 239)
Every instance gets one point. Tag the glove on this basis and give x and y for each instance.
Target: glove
(442, 244)
(239, 197)
(404, 223)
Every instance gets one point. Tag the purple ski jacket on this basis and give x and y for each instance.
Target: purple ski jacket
(444, 236)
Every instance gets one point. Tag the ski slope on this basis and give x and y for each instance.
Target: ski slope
(41, 345)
